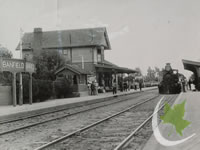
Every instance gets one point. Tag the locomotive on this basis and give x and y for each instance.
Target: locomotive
(170, 81)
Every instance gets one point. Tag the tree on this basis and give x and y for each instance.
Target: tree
(5, 77)
(150, 74)
(158, 73)
(47, 63)
(139, 71)
(4, 52)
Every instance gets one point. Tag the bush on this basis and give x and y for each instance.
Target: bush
(42, 89)
(45, 88)
(6, 78)
(26, 89)
(62, 88)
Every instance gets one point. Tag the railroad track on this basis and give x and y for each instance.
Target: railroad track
(55, 143)
(133, 141)
(62, 114)
(124, 144)
(55, 110)
(17, 118)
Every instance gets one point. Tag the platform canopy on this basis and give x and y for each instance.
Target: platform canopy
(191, 65)
(107, 66)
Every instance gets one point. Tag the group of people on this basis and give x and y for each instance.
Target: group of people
(124, 86)
(136, 84)
(187, 85)
(93, 88)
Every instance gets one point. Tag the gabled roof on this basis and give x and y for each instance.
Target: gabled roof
(74, 68)
(68, 38)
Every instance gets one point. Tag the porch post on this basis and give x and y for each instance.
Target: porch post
(129, 83)
(30, 89)
(122, 81)
(116, 77)
(102, 53)
(20, 89)
(110, 79)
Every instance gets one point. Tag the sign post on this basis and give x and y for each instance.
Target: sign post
(20, 89)
(14, 89)
(18, 66)
(30, 89)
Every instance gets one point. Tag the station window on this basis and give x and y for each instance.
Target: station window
(65, 52)
(99, 57)
(98, 51)
(60, 51)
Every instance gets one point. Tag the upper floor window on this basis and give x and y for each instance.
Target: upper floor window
(60, 51)
(98, 51)
(65, 52)
(99, 58)
(98, 55)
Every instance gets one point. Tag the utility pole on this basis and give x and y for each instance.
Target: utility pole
(20, 74)
(82, 60)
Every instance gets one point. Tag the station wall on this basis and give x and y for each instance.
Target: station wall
(5, 95)
(78, 53)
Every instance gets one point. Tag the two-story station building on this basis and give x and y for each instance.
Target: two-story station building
(83, 50)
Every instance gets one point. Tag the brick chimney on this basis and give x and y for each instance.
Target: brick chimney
(37, 41)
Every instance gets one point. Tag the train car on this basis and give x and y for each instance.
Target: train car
(170, 81)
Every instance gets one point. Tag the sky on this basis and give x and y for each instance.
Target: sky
(142, 33)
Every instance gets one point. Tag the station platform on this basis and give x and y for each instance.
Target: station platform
(168, 132)
(10, 111)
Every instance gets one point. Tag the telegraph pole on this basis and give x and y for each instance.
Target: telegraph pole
(20, 74)
(82, 62)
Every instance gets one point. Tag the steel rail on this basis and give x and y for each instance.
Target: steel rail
(127, 140)
(62, 109)
(92, 125)
(59, 110)
(67, 115)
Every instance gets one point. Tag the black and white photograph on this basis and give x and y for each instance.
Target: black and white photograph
(99, 75)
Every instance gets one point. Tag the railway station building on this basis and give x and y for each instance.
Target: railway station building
(194, 67)
(83, 50)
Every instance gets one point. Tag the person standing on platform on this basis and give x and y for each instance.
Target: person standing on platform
(121, 86)
(92, 88)
(114, 87)
(89, 88)
(183, 85)
(135, 86)
(125, 86)
(140, 85)
(96, 87)
(189, 83)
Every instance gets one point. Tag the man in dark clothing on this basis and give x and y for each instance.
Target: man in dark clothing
(114, 86)
(125, 86)
(140, 85)
(183, 85)
(135, 86)
(189, 83)
(92, 89)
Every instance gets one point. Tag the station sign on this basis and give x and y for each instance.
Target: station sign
(16, 65)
